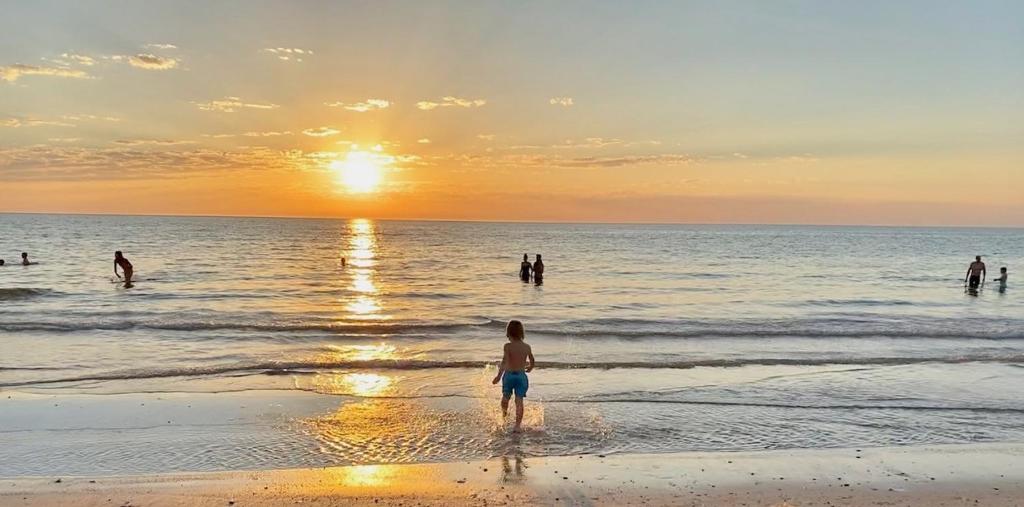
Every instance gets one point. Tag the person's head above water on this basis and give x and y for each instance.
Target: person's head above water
(525, 257)
(118, 254)
(1001, 270)
(514, 330)
(538, 257)
(24, 255)
(977, 258)
(1, 262)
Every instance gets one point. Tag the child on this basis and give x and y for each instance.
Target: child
(1002, 278)
(524, 269)
(513, 370)
(126, 266)
(24, 259)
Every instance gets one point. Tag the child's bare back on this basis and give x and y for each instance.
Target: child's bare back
(516, 354)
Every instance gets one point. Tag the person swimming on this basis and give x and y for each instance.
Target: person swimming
(120, 260)
(524, 269)
(538, 271)
(2, 262)
(24, 259)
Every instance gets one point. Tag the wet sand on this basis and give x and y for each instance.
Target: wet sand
(990, 475)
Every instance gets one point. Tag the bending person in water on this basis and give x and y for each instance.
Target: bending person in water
(975, 273)
(524, 269)
(538, 271)
(119, 260)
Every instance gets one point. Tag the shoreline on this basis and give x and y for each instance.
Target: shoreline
(973, 474)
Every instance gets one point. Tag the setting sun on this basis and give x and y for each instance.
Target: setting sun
(361, 171)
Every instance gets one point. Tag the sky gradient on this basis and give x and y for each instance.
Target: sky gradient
(711, 112)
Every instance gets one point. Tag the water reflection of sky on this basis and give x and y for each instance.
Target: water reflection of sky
(362, 300)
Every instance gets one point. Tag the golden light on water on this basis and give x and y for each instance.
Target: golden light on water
(354, 384)
(361, 171)
(365, 304)
(363, 352)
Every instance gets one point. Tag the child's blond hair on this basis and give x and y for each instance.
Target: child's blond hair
(515, 330)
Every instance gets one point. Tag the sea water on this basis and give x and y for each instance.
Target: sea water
(269, 351)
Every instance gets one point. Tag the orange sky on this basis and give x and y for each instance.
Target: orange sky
(846, 114)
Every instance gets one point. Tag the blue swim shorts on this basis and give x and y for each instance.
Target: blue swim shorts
(514, 381)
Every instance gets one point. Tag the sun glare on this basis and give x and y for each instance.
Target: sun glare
(361, 171)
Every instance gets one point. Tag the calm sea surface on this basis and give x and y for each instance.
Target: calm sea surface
(247, 344)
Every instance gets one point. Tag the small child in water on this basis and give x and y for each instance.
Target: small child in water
(120, 260)
(1002, 278)
(513, 370)
(24, 259)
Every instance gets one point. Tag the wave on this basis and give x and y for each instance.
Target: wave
(312, 367)
(627, 329)
(16, 293)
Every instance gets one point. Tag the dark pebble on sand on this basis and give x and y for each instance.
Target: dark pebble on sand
(565, 478)
(58, 481)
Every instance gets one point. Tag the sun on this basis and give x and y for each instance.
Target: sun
(361, 171)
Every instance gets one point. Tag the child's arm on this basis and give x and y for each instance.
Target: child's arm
(501, 367)
(115, 270)
(529, 355)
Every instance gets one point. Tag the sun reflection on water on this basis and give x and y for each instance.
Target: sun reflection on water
(361, 257)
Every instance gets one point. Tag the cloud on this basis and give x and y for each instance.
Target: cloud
(33, 122)
(450, 102)
(321, 132)
(11, 73)
(232, 104)
(75, 163)
(288, 54)
(561, 101)
(547, 160)
(423, 141)
(88, 61)
(590, 142)
(157, 142)
(361, 107)
(160, 46)
(64, 139)
(485, 137)
(152, 62)
(84, 117)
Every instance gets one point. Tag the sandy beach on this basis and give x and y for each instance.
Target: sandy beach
(926, 476)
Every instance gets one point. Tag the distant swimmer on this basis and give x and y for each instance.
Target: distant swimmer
(342, 262)
(524, 269)
(24, 259)
(975, 273)
(538, 271)
(516, 361)
(120, 260)
(2, 262)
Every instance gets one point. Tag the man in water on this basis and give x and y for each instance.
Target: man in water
(24, 259)
(126, 266)
(1, 262)
(975, 273)
(524, 270)
(538, 271)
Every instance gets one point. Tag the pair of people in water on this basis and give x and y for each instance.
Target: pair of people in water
(976, 274)
(24, 260)
(536, 270)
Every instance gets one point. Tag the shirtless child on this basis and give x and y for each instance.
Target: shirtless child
(513, 370)
(126, 266)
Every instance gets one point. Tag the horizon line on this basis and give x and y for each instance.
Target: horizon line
(507, 221)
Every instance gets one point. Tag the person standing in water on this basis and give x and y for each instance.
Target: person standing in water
(516, 361)
(538, 271)
(524, 269)
(975, 273)
(1002, 278)
(119, 260)
(24, 259)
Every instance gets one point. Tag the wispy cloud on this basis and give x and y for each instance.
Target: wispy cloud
(156, 142)
(152, 62)
(423, 141)
(67, 59)
(450, 102)
(33, 122)
(321, 132)
(288, 54)
(64, 139)
(485, 137)
(590, 142)
(361, 107)
(160, 46)
(87, 117)
(233, 104)
(251, 134)
(561, 101)
(11, 73)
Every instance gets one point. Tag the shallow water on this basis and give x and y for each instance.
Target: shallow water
(651, 338)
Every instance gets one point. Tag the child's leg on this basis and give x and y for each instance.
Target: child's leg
(504, 406)
(519, 411)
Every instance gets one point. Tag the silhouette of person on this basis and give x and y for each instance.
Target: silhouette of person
(24, 259)
(120, 260)
(975, 273)
(538, 271)
(524, 269)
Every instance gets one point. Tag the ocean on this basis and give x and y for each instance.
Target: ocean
(247, 344)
